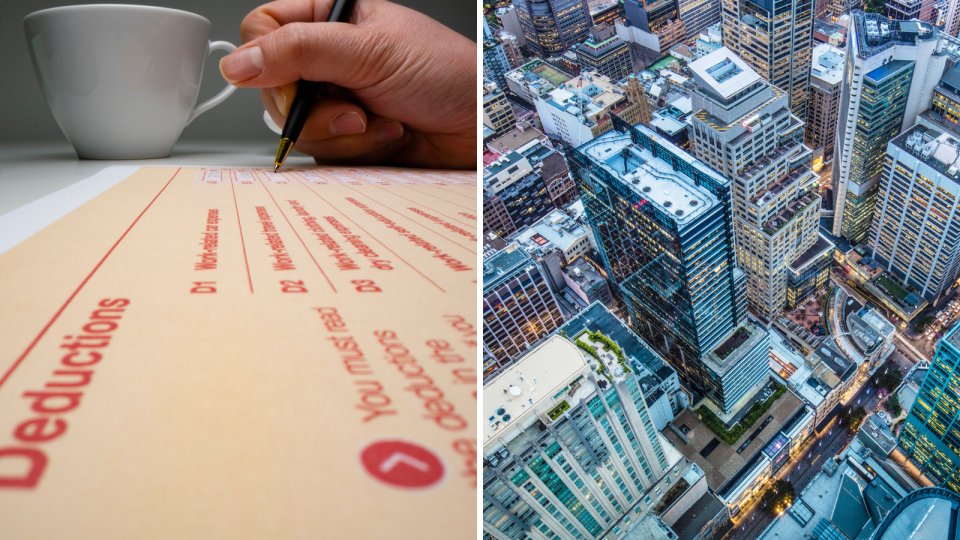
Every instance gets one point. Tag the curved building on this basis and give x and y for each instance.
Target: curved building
(925, 514)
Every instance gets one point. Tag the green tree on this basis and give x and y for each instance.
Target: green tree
(778, 497)
(874, 6)
(893, 403)
(853, 417)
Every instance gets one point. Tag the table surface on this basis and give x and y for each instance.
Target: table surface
(29, 171)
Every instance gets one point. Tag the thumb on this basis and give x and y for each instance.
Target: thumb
(338, 53)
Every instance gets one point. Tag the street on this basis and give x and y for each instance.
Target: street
(802, 469)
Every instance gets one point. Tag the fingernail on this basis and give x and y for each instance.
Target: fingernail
(242, 64)
(280, 100)
(347, 124)
(389, 131)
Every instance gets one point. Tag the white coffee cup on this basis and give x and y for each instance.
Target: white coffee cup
(122, 80)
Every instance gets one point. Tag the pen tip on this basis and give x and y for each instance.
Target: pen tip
(276, 168)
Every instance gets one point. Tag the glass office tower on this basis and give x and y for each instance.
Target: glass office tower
(663, 225)
(931, 434)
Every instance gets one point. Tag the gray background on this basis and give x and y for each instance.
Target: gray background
(24, 115)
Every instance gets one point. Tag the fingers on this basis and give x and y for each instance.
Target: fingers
(339, 53)
(380, 133)
(330, 117)
(268, 17)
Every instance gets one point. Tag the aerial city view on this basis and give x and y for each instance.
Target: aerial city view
(721, 260)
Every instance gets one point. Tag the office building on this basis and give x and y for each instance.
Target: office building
(605, 13)
(587, 284)
(559, 230)
(916, 226)
(655, 26)
(952, 21)
(830, 33)
(605, 53)
(945, 110)
(671, 120)
(774, 38)
(809, 272)
(709, 40)
(514, 181)
(487, 31)
(570, 443)
(511, 48)
(892, 68)
(930, 434)
(698, 17)
(497, 112)
(534, 79)
(552, 26)
(908, 10)
(510, 22)
(518, 308)
(662, 224)
(582, 108)
(823, 102)
(495, 62)
(743, 128)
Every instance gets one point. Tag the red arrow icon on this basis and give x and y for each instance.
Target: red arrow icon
(402, 464)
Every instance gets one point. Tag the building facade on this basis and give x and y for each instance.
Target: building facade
(552, 26)
(518, 308)
(931, 433)
(916, 227)
(661, 220)
(823, 102)
(775, 39)
(497, 112)
(495, 62)
(744, 128)
(582, 463)
(890, 73)
(515, 180)
(605, 53)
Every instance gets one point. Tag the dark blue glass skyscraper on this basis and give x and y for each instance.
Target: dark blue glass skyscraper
(931, 434)
(662, 220)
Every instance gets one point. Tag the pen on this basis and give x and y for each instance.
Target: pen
(307, 92)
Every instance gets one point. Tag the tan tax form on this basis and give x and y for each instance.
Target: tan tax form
(233, 353)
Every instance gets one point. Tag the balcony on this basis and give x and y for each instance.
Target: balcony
(799, 176)
(787, 214)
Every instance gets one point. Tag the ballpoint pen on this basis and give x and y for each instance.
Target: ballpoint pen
(307, 92)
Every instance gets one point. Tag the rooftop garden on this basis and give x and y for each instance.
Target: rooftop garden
(558, 410)
(607, 345)
(732, 343)
(893, 288)
(670, 496)
(732, 435)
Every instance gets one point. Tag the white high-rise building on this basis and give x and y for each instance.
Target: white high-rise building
(892, 68)
(916, 226)
(571, 450)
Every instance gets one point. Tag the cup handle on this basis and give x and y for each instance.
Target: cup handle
(225, 93)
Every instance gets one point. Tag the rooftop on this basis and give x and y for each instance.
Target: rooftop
(516, 138)
(584, 275)
(726, 355)
(953, 338)
(512, 398)
(827, 64)
(722, 462)
(940, 151)
(556, 228)
(689, 524)
(644, 361)
(652, 178)
(723, 72)
(503, 265)
(819, 247)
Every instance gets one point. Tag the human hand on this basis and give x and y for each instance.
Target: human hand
(402, 86)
